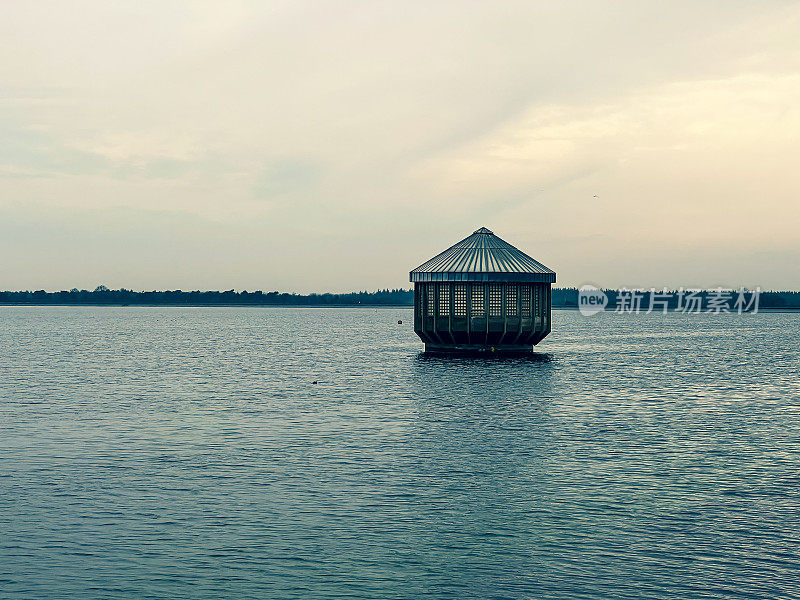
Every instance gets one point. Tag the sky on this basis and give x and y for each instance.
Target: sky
(334, 146)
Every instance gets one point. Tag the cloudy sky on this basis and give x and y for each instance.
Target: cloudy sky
(330, 146)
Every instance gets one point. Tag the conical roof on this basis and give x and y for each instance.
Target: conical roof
(483, 257)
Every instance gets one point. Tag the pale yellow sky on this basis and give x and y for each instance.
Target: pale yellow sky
(330, 146)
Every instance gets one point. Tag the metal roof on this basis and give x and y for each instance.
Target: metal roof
(483, 257)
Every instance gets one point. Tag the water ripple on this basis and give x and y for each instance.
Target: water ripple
(185, 453)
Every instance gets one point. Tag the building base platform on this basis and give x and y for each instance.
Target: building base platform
(477, 349)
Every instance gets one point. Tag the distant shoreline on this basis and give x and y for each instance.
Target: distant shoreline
(562, 298)
(789, 309)
(230, 305)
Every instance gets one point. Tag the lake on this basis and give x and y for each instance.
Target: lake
(156, 452)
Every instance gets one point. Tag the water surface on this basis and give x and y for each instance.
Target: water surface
(186, 453)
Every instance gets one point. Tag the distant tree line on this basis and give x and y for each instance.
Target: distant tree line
(562, 297)
(103, 295)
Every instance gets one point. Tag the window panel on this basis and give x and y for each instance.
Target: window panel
(430, 298)
(477, 301)
(525, 301)
(512, 310)
(495, 300)
(460, 300)
(444, 299)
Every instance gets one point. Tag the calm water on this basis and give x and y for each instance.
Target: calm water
(185, 453)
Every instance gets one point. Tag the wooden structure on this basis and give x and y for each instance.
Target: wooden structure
(482, 295)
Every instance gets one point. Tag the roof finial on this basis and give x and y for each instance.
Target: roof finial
(483, 230)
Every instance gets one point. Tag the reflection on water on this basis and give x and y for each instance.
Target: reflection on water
(461, 360)
(187, 453)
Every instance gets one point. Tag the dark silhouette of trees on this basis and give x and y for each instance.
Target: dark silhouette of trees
(102, 296)
(562, 297)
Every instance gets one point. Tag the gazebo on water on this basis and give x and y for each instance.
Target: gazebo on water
(482, 295)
